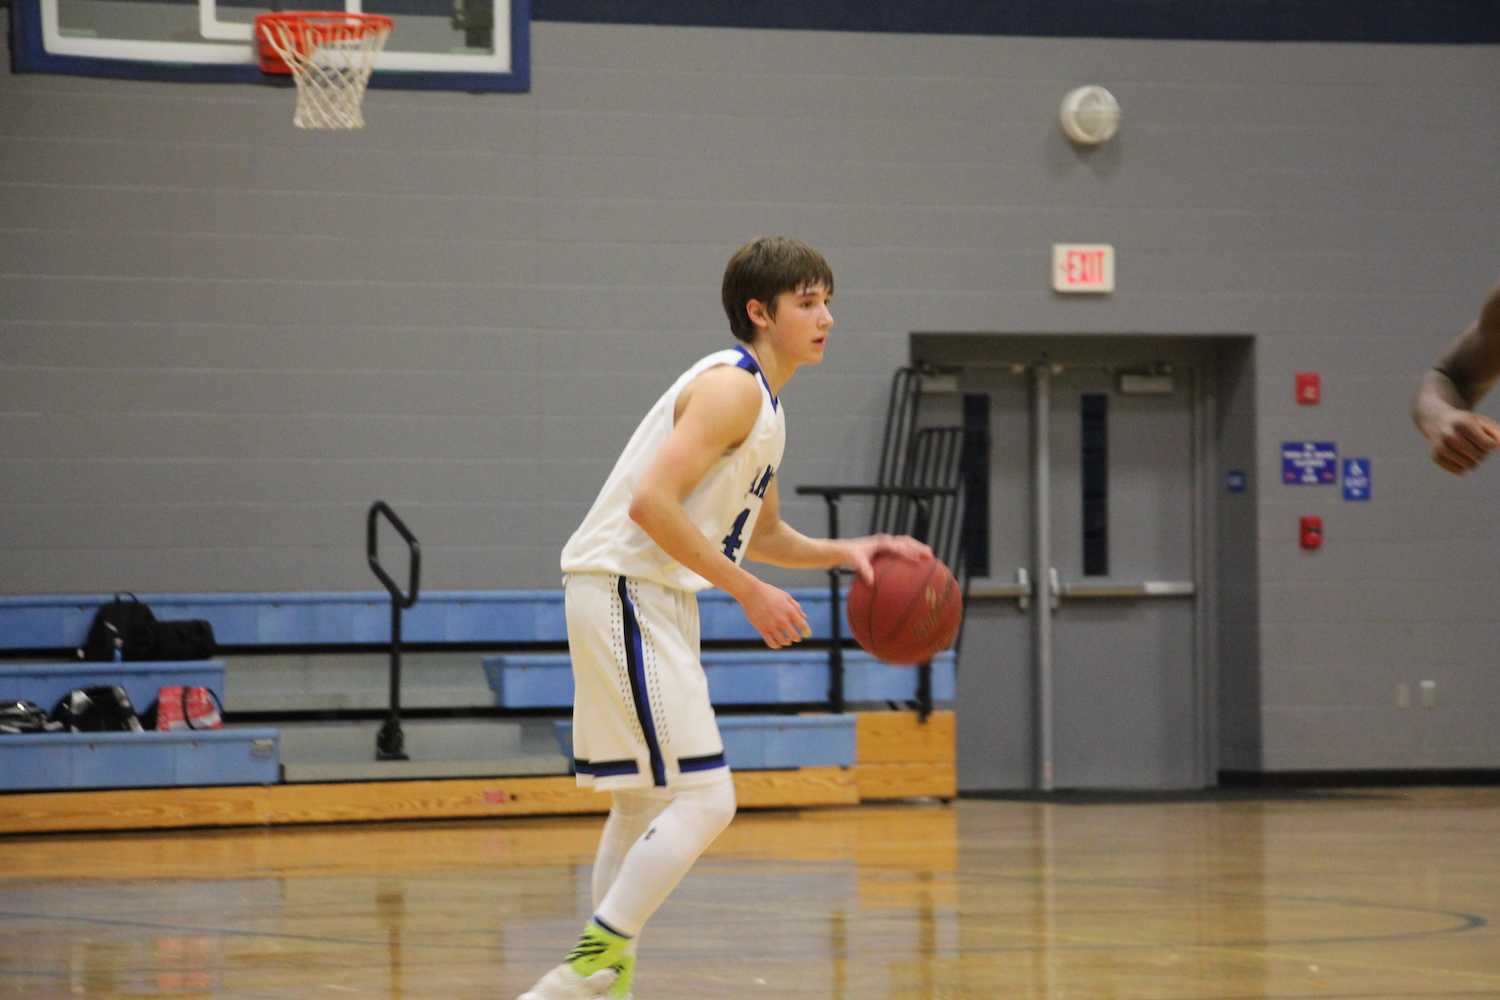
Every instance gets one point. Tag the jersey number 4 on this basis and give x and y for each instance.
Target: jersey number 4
(735, 539)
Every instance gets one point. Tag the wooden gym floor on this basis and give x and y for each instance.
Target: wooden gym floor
(1356, 895)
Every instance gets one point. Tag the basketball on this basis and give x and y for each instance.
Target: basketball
(910, 613)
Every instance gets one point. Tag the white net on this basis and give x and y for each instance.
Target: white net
(331, 57)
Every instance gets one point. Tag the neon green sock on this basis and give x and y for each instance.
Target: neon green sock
(625, 964)
(598, 948)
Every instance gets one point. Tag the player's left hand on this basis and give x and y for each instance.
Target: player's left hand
(858, 552)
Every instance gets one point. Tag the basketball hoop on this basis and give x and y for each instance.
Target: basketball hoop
(330, 55)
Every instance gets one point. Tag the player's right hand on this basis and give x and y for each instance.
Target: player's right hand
(776, 615)
(1464, 440)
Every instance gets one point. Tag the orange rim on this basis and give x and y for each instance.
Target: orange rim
(306, 29)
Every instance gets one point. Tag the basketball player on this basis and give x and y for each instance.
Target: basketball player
(1444, 404)
(693, 494)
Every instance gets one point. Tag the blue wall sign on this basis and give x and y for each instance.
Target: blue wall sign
(1309, 463)
(1356, 479)
(1235, 480)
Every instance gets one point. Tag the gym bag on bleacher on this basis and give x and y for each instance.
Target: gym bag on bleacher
(130, 627)
(121, 625)
(187, 639)
(102, 708)
(18, 717)
(184, 707)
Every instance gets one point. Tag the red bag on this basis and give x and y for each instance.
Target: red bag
(187, 708)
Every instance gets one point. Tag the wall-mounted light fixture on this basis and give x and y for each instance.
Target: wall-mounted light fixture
(1090, 115)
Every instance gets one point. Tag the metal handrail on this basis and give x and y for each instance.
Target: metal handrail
(373, 554)
(390, 742)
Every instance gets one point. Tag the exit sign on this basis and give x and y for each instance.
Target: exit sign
(1083, 267)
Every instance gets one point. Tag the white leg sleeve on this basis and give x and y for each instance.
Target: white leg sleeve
(630, 812)
(662, 855)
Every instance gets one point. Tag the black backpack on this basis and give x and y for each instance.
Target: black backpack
(25, 717)
(123, 625)
(102, 708)
(131, 627)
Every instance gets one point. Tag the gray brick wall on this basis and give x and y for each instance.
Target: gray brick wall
(220, 339)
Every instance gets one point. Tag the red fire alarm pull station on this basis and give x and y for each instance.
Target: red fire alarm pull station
(1309, 388)
(1311, 533)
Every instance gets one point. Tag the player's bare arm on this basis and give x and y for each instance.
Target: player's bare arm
(1445, 399)
(716, 412)
(779, 544)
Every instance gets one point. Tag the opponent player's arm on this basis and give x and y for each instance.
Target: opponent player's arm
(779, 544)
(717, 412)
(1446, 396)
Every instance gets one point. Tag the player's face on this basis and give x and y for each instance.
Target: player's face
(802, 322)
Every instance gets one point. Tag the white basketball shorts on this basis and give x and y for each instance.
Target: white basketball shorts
(642, 717)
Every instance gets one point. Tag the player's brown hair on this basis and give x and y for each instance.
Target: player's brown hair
(764, 268)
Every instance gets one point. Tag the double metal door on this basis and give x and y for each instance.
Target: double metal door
(1083, 656)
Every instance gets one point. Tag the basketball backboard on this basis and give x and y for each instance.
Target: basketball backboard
(468, 45)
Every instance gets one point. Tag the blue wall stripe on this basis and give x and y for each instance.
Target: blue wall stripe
(635, 661)
(1412, 21)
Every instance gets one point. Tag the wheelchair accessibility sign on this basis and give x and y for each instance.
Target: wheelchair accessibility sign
(1356, 479)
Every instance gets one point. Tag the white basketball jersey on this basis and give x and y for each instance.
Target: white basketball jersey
(724, 506)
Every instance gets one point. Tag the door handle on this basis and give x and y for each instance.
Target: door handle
(1129, 590)
(1020, 591)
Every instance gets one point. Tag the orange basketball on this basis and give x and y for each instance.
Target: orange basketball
(911, 612)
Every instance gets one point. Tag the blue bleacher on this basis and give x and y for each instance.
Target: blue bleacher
(128, 760)
(45, 683)
(759, 677)
(514, 619)
(502, 617)
(37, 761)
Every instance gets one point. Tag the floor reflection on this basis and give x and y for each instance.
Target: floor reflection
(1370, 896)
